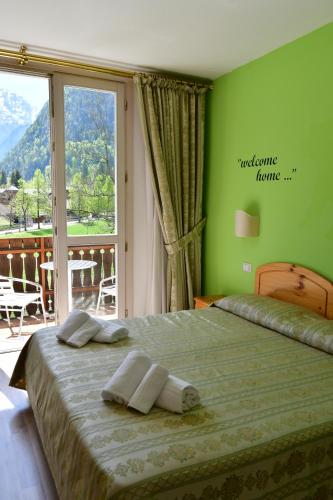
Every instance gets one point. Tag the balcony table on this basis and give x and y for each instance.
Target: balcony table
(73, 265)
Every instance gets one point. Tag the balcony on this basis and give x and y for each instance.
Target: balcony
(22, 258)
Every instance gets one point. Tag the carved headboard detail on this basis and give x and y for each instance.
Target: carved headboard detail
(297, 285)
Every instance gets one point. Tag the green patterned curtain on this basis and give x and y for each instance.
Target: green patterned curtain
(173, 119)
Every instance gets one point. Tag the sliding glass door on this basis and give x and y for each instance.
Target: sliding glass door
(88, 148)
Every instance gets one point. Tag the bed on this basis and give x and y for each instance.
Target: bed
(264, 428)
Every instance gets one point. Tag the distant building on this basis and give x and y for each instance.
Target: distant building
(6, 196)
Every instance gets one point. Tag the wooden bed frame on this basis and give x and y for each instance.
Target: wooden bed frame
(297, 285)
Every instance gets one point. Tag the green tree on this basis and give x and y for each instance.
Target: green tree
(48, 178)
(3, 178)
(101, 198)
(95, 198)
(40, 199)
(12, 214)
(84, 154)
(78, 196)
(23, 202)
(108, 199)
(15, 177)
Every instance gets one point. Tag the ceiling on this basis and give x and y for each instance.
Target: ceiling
(205, 38)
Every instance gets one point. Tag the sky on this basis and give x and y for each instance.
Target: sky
(34, 89)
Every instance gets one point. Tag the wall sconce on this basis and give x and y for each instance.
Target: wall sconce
(246, 225)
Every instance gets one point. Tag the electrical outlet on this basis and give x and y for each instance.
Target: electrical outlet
(247, 268)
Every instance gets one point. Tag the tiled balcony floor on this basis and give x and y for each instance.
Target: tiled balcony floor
(10, 341)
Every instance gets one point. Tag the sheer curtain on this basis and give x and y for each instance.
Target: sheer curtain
(149, 254)
(172, 116)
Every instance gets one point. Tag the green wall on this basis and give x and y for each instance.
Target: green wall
(279, 105)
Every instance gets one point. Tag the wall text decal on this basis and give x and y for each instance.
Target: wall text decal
(264, 175)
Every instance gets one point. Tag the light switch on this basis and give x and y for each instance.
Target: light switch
(247, 268)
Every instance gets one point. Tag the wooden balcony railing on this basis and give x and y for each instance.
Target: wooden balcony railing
(22, 257)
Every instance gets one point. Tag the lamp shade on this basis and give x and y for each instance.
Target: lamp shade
(246, 225)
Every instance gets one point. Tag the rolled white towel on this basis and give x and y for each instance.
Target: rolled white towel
(83, 334)
(74, 321)
(177, 395)
(149, 389)
(110, 332)
(127, 377)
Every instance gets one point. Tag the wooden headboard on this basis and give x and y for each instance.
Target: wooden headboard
(297, 285)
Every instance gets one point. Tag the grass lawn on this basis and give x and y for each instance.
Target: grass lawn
(77, 229)
(3, 220)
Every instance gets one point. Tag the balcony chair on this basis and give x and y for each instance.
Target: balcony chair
(11, 301)
(109, 290)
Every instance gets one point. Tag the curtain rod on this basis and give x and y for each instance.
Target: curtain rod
(23, 58)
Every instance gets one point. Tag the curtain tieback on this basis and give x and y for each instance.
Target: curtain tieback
(178, 245)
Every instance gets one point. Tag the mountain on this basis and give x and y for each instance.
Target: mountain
(33, 149)
(89, 134)
(14, 109)
(12, 139)
(16, 115)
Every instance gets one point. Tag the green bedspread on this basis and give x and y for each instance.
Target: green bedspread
(264, 428)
